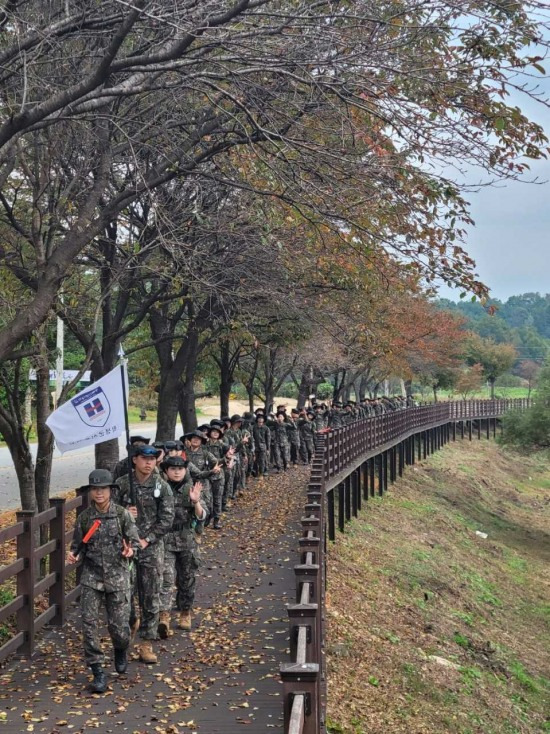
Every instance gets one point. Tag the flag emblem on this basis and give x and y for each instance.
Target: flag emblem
(92, 407)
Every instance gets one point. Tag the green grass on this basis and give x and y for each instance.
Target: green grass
(485, 591)
(465, 617)
(461, 640)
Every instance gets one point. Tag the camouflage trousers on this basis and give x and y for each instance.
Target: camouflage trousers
(179, 573)
(217, 496)
(307, 449)
(262, 463)
(281, 455)
(117, 605)
(229, 485)
(207, 497)
(149, 574)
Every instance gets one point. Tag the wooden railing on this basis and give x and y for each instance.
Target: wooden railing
(39, 570)
(351, 464)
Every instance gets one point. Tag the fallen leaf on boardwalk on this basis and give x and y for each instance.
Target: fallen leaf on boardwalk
(235, 621)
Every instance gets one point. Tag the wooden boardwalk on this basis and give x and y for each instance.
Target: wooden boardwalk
(221, 677)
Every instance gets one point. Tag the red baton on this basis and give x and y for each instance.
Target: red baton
(86, 539)
(91, 531)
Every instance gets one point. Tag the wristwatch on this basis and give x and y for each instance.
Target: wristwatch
(148, 540)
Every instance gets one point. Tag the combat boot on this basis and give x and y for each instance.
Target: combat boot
(146, 654)
(217, 524)
(99, 683)
(184, 621)
(164, 626)
(121, 660)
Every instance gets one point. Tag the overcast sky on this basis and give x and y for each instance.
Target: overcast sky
(511, 240)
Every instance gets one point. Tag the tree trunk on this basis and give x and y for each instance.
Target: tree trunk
(363, 386)
(249, 384)
(187, 409)
(44, 453)
(434, 387)
(106, 453)
(305, 387)
(167, 407)
(492, 381)
(269, 399)
(226, 377)
(27, 409)
(24, 468)
(339, 384)
(408, 388)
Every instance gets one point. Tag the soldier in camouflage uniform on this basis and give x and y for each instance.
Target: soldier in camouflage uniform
(152, 505)
(181, 551)
(238, 438)
(335, 418)
(293, 435)
(106, 574)
(320, 420)
(262, 445)
(205, 466)
(348, 415)
(307, 437)
(223, 453)
(123, 466)
(249, 448)
(280, 442)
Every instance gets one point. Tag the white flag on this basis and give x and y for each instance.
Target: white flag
(94, 415)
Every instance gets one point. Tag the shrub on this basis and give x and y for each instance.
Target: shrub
(324, 390)
(531, 428)
(288, 390)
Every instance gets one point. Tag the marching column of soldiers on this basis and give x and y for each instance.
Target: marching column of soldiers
(139, 538)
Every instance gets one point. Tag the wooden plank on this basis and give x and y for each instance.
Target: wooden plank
(45, 550)
(12, 646)
(44, 584)
(44, 618)
(8, 609)
(7, 572)
(11, 532)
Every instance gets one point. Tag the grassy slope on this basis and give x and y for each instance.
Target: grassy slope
(410, 580)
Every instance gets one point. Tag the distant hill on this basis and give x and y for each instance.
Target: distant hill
(522, 320)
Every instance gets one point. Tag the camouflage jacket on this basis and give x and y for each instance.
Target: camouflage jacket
(293, 432)
(335, 419)
(154, 502)
(262, 438)
(307, 430)
(280, 433)
(185, 520)
(218, 449)
(104, 567)
(235, 438)
(320, 421)
(203, 461)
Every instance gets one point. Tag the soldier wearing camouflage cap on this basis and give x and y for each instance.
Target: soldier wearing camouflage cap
(105, 538)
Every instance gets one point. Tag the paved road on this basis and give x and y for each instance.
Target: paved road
(69, 470)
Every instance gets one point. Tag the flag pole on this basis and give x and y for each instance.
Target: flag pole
(127, 424)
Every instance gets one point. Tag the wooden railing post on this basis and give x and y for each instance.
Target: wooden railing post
(301, 679)
(57, 561)
(26, 580)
